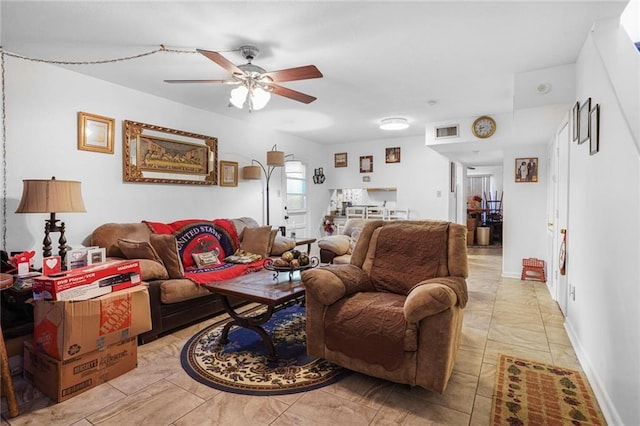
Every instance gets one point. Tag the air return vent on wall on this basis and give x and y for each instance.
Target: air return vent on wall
(449, 131)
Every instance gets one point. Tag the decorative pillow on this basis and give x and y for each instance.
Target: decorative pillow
(256, 240)
(282, 244)
(206, 258)
(167, 248)
(152, 270)
(138, 250)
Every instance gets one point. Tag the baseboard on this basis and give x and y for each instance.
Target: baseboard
(606, 405)
(514, 275)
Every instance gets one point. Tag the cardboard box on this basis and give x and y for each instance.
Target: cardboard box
(61, 380)
(88, 282)
(65, 329)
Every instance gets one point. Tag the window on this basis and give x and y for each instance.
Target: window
(296, 199)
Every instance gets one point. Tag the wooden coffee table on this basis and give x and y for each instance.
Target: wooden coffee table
(259, 287)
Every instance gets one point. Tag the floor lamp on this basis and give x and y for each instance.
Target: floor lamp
(52, 196)
(275, 159)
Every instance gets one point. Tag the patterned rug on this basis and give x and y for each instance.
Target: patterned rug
(241, 366)
(533, 393)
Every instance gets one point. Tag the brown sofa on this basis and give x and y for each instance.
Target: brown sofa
(395, 312)
(175, 302)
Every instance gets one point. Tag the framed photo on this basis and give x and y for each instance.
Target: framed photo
(228, 173)
(366, 164)
(576, 121)
(95, 133)
(527, 169)
(155, 154)
(340, 159)
(392, 155)
(96, 255)
(583, 121)
(594, 130)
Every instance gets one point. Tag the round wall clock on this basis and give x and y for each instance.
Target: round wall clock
(484, 127)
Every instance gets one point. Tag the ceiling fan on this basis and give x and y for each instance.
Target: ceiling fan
(255, 84)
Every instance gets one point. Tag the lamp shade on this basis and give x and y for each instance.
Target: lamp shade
(275, 158)
(251, 172)
(50, 196)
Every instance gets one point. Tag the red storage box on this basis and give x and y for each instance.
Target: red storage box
(88, 282)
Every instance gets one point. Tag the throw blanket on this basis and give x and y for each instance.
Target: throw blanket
(200, 236)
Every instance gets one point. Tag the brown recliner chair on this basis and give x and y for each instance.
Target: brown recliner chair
(396, 311)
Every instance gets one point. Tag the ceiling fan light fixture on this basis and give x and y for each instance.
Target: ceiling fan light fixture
(394, 123)
(259, 98)
(239, 96)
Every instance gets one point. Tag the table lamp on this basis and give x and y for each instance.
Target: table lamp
(51, 196)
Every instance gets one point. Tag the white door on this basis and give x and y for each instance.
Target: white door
(296, 212)
(560, 214)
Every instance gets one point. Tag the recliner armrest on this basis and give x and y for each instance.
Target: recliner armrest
(426, 299)
(338, 244)
(328, 284)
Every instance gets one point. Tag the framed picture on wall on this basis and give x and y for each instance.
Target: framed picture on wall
(527, 169)
(228, 173)
(392, 155)
(366, 164)
(340, 159)
(583, 121)
(576, 121)
(452, 176)
(594, 130)
(95, 133)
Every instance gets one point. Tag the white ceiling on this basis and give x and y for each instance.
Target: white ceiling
(379, 58)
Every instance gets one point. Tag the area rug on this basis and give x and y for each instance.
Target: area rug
(241, 366)
(534, 393)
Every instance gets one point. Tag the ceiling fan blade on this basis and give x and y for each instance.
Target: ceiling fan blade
(291, 74)
(221, 60)
(201, 81)
(291, 94)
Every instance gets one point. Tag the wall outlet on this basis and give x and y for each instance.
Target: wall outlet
(439, 194)
(572, 292)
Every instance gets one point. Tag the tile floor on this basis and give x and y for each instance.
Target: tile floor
(503, 315)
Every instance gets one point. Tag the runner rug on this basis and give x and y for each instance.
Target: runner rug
(241, 366)
(533, 393)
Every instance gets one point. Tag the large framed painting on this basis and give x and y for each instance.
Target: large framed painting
(155, 154)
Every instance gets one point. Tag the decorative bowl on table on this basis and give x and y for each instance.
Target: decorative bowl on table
(279, 265)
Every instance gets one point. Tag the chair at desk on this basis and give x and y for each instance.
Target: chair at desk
(494, 216)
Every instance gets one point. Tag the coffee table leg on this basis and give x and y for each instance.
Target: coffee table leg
(251, 323)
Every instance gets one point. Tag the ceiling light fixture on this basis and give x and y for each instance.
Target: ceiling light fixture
(250, 92)
(394, 123)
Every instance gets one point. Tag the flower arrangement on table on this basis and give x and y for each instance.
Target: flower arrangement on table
(474, 201)
(328, 226)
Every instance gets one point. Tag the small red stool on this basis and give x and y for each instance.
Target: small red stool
(533, 269)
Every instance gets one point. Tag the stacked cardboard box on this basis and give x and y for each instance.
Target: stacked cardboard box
(81, 344)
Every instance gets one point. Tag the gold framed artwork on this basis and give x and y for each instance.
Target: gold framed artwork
(527, 169)
(392, 155)
(340, 159)
(228, 173)
(155, 154)
(366, 164)
(95, 133)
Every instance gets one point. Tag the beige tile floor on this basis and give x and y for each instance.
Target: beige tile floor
(503, 316)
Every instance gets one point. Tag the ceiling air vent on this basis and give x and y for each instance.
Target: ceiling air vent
(451, 131)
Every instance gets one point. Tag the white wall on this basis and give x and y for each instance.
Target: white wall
(524, 207)
(42, 102)
(603, 246)
(421, 177)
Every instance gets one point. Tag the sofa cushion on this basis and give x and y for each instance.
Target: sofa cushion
(167, 248)
(179, 290)
(282, 244)
(338, 244)
(151, 270)
(256, 240)
(133, 249)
